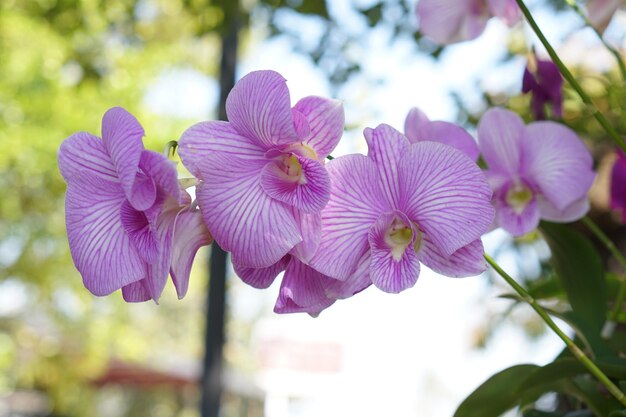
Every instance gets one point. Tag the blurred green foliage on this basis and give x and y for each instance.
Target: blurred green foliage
(62, 64)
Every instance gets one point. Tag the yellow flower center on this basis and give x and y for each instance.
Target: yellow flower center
(518, 197)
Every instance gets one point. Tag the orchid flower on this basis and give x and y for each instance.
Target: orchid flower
(129, 224)
(539, 171)
(417, 127)
(450, 21)
(262, 177)
(544, 81)
(618, 186)
(401, 205)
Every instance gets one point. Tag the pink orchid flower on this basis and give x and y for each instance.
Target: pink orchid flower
(538, 171)
(262, 177)
(401, 205)
(618, 186)
(129, 224)
(450, 21)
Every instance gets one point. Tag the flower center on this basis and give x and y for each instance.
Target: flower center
(518, 197)
(292, 168)
(303, 150)
(398, 237)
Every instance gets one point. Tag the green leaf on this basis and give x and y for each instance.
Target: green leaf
(579, 267)
(497, 394)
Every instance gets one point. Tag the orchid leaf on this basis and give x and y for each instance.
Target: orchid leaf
(579, 267)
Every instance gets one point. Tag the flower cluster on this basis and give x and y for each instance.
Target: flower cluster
(266, 194)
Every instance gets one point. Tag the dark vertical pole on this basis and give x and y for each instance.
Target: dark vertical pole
(214, 337)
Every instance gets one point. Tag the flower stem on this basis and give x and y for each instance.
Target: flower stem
(611, 49)
(578, 353)
(621, 295)
(570, 78)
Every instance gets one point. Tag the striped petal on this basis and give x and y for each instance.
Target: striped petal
(122, 137)
(303, 290)
(499, 137)
(392, 271)
(311, 231)
(205, 138)
(190, 234)
(85, 152)
(355, 204)
(242, 218)
(136, 292)
(141, 231)
(446, 194)
(259, 108)
(386, 147)
(162, 172)
(102, 251)
(557, 162)
(262, 277)
(308, 191)
(326, 120)
(451, 135)
(466, 262)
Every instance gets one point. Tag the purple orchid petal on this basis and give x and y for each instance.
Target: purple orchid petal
(418, 128)
(507, 10)
(301, 124)
(326, 120)
(262, 277)
(518, 222)
(190, 234)
(390, 270)
(162, 172)
(446, 194)
(215, 137)
(308, 192)
(101, 249)
(499, 135)
(451, 135)
(354, 206)
(386, 148)
(311, 231)
(85, 152)
(158, 271)
(414, 123)
(465, 262)
(242, 218)
(545, 83)
(136, 292)
(121, 135)
(556, 161)
(601, 12)
(141, 232)
(618, 186)
(571, 213)
(449, 21)
(357, 282)
(303, 290)
(259, 108)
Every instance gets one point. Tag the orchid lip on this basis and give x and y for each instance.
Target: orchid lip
(398, 237)
(518, 196)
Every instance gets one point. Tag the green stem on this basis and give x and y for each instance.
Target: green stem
(608, 243)
(570, 78)
(578, 353)
(612, 50)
